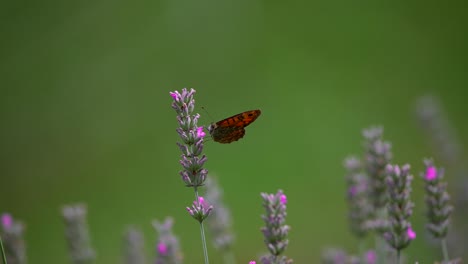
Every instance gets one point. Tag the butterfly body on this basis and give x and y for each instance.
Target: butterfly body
(232, 128)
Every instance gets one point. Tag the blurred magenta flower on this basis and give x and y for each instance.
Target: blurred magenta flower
(371, 257)
(162, 248)
(431, 173)
(410, 233)
(7, 220)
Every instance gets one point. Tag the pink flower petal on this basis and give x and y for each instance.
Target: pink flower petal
(431, 173)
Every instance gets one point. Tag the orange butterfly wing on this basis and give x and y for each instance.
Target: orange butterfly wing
(232, 128)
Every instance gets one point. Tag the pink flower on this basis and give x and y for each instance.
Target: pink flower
(7, 220)
(411, 234)
(201, 201)
(283, 199)
(200, 132)
(252, 262)
(162, 248)
(431, 173)
(371, 257)
(173, 95)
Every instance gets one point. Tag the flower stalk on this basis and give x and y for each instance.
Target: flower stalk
(438, 204)
(192, 159)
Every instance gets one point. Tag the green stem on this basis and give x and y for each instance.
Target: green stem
(398, 256)
(202, 232)
(444, 250)
(3, 251)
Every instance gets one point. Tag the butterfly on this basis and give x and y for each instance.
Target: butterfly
(232, 128)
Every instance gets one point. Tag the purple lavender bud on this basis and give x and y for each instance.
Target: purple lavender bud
(334, 256)
(275, 230)
(192, 160)
(360, 208)
(134, 247)
(400, 208)
(77, 234)
(167, 247)
(161, 248)
(370, 257)
(437, 200)
(7, 221)
(200, 209)
(12, 234)
(410, 233)
(377, 155)
(220, 221)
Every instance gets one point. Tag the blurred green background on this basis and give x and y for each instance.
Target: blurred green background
(86, 116)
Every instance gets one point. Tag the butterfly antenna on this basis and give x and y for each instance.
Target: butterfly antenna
(206, 111)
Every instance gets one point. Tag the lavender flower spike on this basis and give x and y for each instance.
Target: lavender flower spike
(167, 248)
(192, 135)
(437, 200)
(275, 230)
(77, 234)
(219, 223)
(360, 208)
(438, 204)
(12, 232)
(134, 247)
(377, 155)
(400, 208)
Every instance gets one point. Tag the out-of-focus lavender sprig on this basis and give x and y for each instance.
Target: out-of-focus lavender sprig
(200, 209)
(134, 252)
(192, 135)
(12, 234)
(400, 207)
(167, 248)
(433, 119)
(436, 125)
(438, 204)
(334, 256)
(275, 230)
(360, 209)
(339, 256)
(220, 221)
(77, 234)
(377, 155)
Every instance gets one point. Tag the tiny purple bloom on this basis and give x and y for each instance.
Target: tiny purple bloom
(252, 262)
(201, 201)
(411, 234)
(283, 199)
(352, 191)
(200, 132)
(173, 95)
(431, 173)
(162, 248)
(7, 220)
(371, 257)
